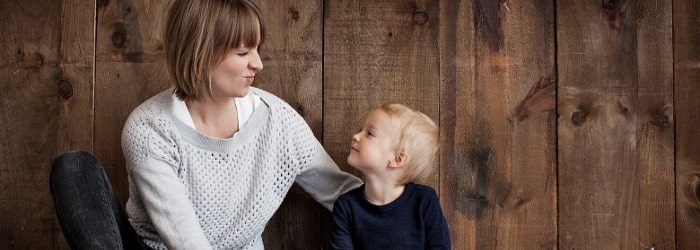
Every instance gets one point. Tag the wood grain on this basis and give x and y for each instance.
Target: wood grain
(130, 69)
(686, 19)
(46, 63)
(376, 52)
(498, 125)
(292, 59)
(615, 136)
(598, 173)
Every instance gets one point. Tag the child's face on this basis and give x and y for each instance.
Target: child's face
(373, 147)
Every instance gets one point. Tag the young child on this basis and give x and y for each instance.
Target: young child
(396, 146)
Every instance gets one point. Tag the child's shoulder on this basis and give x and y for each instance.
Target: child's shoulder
(352, 196)
(421, 187)
(353, 193)
(422, 190)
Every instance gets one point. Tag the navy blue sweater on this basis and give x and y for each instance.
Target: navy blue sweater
(412, 221)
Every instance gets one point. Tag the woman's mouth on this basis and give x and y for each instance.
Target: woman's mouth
(249, 79)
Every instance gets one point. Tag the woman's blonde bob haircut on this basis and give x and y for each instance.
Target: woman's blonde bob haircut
(417, 137)
(198, 33)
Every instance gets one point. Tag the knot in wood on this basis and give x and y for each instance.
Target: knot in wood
(65, 88)
(294, 12)
(694, 186)
(102, 3)
(299, 109)
(120, 36)
(578, 117)
(610, 5)
(660, 120)
(20, 55)
(420, 17)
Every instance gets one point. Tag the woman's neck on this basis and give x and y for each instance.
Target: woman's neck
(215, 119)
(381, 192)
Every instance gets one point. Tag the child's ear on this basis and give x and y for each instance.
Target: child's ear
(400, 159)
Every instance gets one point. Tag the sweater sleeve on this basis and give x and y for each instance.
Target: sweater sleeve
(437, 235)
(323, 180)
(317, 173)
(341, 238)
(163, 195)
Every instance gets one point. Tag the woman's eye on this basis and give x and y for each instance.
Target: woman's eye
(244, 53)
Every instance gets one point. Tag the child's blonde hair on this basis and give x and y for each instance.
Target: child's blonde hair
(198, 35)
(417, 137)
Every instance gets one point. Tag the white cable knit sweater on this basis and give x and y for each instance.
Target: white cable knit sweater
(191, 191)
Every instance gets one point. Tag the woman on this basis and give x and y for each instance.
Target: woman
(211, 159)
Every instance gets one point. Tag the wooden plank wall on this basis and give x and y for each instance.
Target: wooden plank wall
(564, 123)
(46, 107)
(686, 91)
(616, 171)
(498, 123)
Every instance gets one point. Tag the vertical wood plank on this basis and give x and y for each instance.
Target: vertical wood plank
(129, 69)
(686, 20)
(498, 125)
(292, 57)
(377, 52)
(46, 67)
(615, 127)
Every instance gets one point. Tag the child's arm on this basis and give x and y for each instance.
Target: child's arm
(341, 236)
(437, 233)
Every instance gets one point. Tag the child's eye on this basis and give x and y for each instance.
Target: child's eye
(370, 133)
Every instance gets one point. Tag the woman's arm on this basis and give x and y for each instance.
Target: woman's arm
(163, 197)
(153, 174)
(323, 180)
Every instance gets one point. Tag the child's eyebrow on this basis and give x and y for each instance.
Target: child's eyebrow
(372, 127)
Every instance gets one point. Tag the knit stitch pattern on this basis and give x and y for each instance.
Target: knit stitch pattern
(229, 188)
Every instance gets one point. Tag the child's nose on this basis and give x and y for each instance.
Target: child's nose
(356, 136)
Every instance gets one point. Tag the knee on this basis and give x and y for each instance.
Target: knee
(74, 163)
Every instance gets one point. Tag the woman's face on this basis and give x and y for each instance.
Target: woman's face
(233, 76)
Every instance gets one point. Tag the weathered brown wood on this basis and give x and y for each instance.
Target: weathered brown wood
(129, 69)
(615, 127)
(46, 65)
(686, 20)
(376, 52)
(498, 125)
(292, 59)
(483, 69)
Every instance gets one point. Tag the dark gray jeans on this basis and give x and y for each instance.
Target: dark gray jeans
(87, 209)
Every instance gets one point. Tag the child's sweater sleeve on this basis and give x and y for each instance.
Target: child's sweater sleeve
(437, 232)
(341, 237)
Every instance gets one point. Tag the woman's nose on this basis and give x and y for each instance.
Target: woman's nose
(256, 62)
